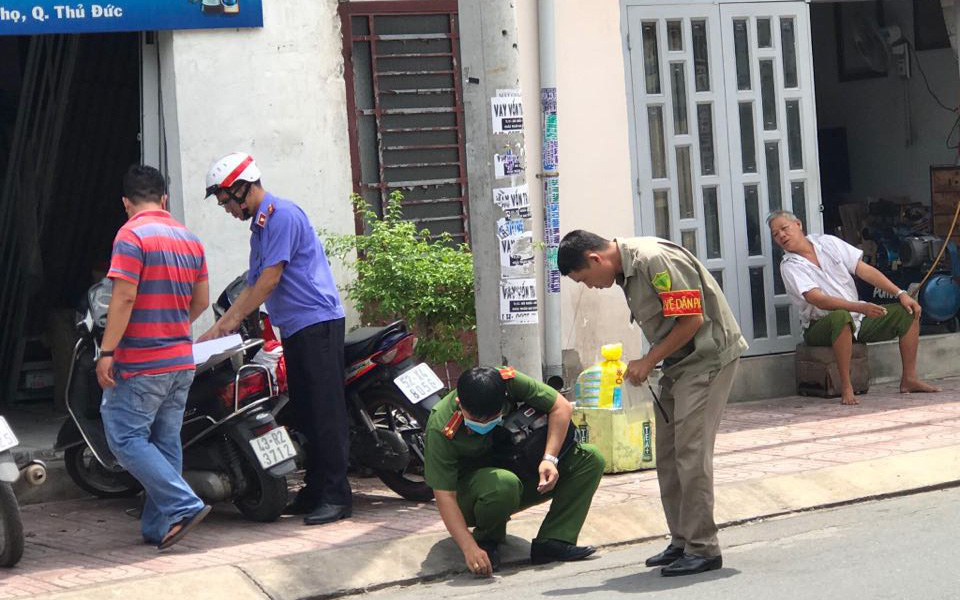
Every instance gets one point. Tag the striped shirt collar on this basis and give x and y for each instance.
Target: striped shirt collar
(149, 213)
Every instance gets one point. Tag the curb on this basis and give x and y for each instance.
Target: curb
(375, 565)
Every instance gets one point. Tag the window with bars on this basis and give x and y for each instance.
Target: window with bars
(406, 109)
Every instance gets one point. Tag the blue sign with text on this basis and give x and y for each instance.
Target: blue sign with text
(26, 17)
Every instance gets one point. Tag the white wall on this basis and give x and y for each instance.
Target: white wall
(277, 93)
(595, 188)
(874, 112)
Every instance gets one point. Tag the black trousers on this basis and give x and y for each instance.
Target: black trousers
(314, 359)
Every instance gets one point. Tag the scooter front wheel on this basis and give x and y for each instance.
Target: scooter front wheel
(87, 472)
(11, 527)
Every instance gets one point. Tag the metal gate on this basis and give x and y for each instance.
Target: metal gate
(725, 130)
(402, 71)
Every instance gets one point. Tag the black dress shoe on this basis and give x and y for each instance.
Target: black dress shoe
(690, 564)
(328, 513)
(546, 551)
(493, 553)
(303, 504)
(666, 557)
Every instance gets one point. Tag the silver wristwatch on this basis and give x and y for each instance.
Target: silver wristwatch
(551, 458)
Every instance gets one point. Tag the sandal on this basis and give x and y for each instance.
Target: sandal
(181, 528)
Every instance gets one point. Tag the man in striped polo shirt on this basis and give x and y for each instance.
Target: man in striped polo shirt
(146, 364)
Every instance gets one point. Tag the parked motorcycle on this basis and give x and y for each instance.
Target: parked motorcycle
(233, 448)
(11, 526)
(389, 397)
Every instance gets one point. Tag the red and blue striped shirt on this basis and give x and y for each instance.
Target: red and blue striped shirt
(164, 260)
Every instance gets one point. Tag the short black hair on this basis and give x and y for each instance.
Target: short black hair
(482, 391)
(571, 256)
(143, 183)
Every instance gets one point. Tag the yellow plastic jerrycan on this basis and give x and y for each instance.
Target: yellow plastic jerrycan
(612, 370)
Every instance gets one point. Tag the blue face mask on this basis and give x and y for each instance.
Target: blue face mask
(482, 428)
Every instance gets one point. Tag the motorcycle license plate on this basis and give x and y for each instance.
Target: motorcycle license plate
(273, 447)
(7, 439)
(418, 383)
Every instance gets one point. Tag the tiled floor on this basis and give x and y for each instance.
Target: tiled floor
(78, 543)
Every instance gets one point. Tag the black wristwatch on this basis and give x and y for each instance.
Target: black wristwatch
(106, 353)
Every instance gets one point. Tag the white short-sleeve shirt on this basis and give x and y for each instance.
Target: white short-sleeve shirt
(838, 264)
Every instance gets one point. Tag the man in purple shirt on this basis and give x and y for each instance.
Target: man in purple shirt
(290, 273)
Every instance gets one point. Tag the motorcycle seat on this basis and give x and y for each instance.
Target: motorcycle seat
(364, 341)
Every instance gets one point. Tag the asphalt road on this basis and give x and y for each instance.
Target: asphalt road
(896, 548)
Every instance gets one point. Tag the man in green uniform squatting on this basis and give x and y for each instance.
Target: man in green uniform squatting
(683, 314)
(472, 492)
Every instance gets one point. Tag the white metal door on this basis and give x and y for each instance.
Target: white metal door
(725, 132)
(682, 162)
(771, 121)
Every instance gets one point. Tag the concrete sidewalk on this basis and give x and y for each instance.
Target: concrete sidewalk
(773, 457)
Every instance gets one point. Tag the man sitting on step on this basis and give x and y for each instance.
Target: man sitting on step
(818, 272)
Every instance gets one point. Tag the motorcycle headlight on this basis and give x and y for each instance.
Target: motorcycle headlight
(98, 301)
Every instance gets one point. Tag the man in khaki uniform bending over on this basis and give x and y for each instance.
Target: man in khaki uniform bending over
(683, 314)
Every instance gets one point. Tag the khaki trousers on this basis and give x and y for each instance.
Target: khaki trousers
(694, 405)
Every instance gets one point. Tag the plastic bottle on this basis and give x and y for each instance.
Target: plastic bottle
(638, 404)
(612, 370)
(583, 430)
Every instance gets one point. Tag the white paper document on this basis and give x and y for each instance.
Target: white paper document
(204, 350)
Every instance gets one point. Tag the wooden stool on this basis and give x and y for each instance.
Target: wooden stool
(817, 373)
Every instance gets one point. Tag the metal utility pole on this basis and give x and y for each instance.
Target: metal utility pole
(501, 234)
(550, 154)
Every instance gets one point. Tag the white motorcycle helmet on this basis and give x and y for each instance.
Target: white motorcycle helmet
(224, 173)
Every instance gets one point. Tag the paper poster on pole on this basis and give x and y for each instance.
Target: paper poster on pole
(512, 198)
(518, 301)
(507, 114)
(506, 165)
(509, 228)
(548, 106)
(551, 232)
(516, 248)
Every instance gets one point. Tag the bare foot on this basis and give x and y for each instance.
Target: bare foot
(174, 530)
(908, 386)
(849, 399)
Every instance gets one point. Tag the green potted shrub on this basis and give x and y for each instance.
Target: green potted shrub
(405, 273)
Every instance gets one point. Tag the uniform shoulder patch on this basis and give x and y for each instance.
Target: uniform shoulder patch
(508, 373)
(262, 220)
(450, 429)
(681, 303)
(270, 209)
(661, 281)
